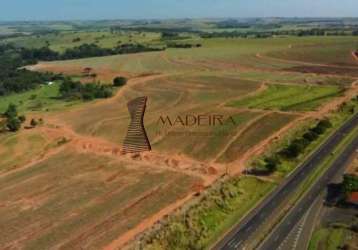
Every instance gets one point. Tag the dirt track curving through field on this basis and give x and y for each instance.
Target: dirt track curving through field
(239, 133)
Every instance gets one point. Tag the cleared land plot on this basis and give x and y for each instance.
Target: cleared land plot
(289, 97)
(205, 143)
(297, 78)
(76, 201)
(230, 55)
(325, 70)
(108, 67)
(171, 96)
(254, 134)
(18, 149)
(332, 51)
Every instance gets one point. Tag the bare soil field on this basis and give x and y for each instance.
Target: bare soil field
(80, 200)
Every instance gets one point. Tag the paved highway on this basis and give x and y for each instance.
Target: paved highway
(236, 238)
(300, 235)
(303, 205)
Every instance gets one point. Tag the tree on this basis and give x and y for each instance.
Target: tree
(13, 121)
(13, 124)
(271, 163)
(119, 81)
(310, 135)
(75, 90)
(11, 111)
(350, 183)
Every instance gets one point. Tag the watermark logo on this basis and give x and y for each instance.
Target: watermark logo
(136, 140)
(195, 120)
(184, 126)
(198, 125)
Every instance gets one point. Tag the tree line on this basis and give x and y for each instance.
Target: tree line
(295, 148)
(16, 79)
(266, 34)
(183, 45)
(83, 51)
(13, 78)
(71, 90)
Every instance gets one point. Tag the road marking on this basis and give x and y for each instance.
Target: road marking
(238, 244)
(231, 242)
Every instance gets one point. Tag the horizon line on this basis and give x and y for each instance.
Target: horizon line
(178, 18)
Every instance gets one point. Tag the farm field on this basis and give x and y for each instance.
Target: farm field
(17, 150)
(82, 201)
(289, 97)
(66, 183)
(256, 132)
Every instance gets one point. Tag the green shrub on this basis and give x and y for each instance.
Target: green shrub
(119, 81)
(13, 124)
(350, 183)
(13, 121)
(75, 90)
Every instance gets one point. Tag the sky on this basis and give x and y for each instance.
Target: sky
(13, 10)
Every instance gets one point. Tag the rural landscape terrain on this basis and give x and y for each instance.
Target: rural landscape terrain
(280, 86)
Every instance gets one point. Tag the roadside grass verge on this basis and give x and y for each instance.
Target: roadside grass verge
(216, 212)
(328, 238)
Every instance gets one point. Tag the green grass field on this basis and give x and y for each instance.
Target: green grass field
(289, 97)
(44, 98)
